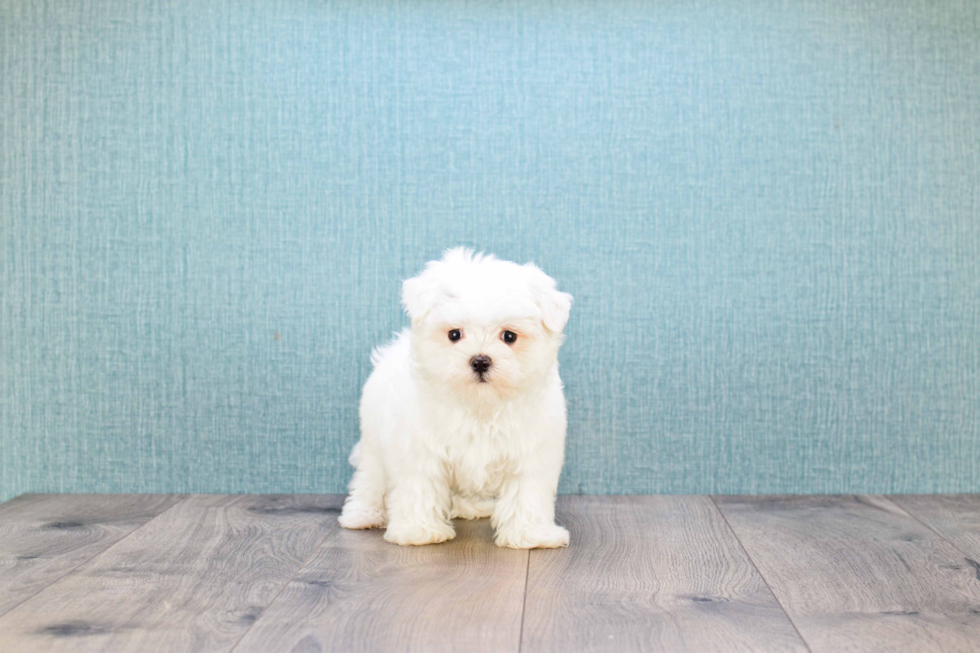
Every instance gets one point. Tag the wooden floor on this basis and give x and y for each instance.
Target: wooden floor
(148, 573)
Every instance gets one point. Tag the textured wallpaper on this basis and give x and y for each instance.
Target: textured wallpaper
(768, 213)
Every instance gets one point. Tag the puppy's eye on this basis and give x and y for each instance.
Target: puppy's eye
(509, 337)
(455, 335)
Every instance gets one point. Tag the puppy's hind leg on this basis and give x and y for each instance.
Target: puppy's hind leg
(365, 505)
(467, 507)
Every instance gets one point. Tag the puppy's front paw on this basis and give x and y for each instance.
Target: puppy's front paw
(411, 534)
(545, 536)
(356, 516)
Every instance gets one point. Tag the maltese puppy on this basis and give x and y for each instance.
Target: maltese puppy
(464, 415)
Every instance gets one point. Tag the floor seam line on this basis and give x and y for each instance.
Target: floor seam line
(285, 585)
(527, 575)
(96, 555)
(915, 518)
(758, 571)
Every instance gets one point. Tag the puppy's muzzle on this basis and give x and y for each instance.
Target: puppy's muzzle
(481, 364)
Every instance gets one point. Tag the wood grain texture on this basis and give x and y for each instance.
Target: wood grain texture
(274, 573)
(859, 574)
(360, 593)
(649, 573)
(45, 536)
(194, 579)
(954, 516)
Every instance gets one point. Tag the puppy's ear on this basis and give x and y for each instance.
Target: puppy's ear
(418, 296)
(554, 310)
(554, 304)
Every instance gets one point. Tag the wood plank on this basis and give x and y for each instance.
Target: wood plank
(360, 593)
(954, 516)
(856, 573)
(649, 573)
(45, 536)
(194, 579)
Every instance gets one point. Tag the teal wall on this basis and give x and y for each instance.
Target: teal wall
(768, 212)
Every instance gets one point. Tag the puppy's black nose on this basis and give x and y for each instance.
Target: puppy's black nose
(480, 363)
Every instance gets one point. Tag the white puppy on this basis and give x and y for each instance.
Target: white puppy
(464, 415)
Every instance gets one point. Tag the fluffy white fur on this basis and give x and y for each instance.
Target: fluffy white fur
(437, 441)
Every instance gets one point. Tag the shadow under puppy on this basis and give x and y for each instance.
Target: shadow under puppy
(464, 414)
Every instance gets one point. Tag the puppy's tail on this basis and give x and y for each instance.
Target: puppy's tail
(399, 341)
(355, 455)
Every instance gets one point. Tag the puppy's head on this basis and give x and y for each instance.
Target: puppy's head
(484, 328)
